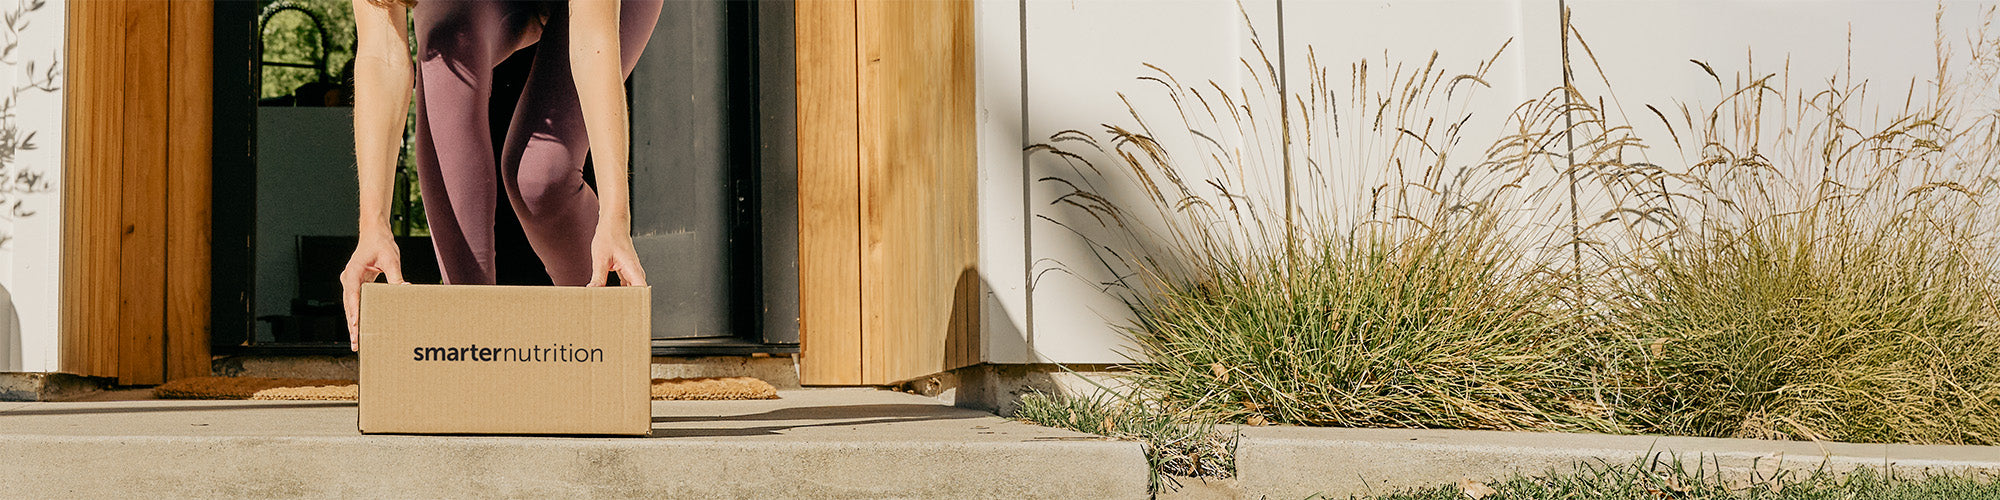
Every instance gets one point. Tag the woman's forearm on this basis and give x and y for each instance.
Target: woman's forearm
(594, 61)
(382, 83)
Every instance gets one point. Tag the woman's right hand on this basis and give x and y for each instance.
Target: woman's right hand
(373, 256)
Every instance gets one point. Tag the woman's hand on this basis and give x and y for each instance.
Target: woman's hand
(595, 64)
(373, 256)
(382, 82)
(611, 252)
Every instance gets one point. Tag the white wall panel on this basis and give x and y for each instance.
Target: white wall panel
(1003, 230)
(31, 264)
(1345, 147)
(1081, 55)
(1645, 51)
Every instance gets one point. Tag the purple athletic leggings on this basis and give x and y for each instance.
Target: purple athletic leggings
(541, 162)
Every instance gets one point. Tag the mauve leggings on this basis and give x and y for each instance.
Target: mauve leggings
(541, 162)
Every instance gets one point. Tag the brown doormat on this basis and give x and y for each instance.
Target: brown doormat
(712, 388)
(255, 388)
(300, 389)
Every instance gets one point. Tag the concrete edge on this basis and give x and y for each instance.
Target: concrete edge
(26, 386)
(1296, 462)
(416, 467)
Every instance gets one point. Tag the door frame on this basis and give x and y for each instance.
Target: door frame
(888, 280)
(235, 215)
(888, 258)
(135, 194)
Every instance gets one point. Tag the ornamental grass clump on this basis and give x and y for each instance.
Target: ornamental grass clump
(1816, 326)
(1841, 282)
(1809, 266)
(1403, 281)
(1442, 327)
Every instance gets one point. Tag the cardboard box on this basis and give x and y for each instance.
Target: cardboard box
(458, 359)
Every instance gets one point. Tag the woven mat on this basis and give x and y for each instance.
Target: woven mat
(255, 388)
(712, 388)
(300, 389)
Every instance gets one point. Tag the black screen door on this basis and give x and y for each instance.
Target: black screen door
(714, 210)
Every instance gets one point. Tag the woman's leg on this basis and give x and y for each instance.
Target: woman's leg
(542, 159)
(458, 43)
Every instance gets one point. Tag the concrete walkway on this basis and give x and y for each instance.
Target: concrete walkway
(1287, 462)
(812, 443)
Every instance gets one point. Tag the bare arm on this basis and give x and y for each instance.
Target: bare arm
(382, 85)
(382, 77)
(595, 62)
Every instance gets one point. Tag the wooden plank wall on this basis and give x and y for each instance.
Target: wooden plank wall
(142, 263)
(190, 167)
(93, 123)
(888, 285)
(918, 172)
(136, 165)
(829, 220)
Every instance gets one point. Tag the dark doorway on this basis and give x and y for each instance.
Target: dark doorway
(713, 182)
(713, 146)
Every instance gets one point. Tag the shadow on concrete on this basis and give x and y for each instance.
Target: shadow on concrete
(900, 411)
(816, 416)
(94, 408)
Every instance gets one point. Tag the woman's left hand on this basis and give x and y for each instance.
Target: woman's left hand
(611, 252)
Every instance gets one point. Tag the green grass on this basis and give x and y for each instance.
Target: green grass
(1837, 282)
(1175, 444)
(1804, 329)
(1443, 328)
(1654, 480)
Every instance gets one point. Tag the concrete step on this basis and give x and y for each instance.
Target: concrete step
(1297, 462)
(811, 443)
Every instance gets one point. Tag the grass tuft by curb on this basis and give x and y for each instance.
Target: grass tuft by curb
(1175, 445)
(1669, 478)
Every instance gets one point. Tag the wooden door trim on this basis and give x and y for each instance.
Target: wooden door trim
(134, 289)
(190, 185)
(93, 119)
(829, 190)
(889, 288)
(919, 279)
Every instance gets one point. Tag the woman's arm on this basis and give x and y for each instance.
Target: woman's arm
(600, 86)
(382, 82)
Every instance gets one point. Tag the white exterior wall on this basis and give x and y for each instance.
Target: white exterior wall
(31, 262)
(1062, 65)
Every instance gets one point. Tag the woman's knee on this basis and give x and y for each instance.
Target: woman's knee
(546, 192)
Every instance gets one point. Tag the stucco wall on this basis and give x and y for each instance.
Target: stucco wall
(30, 260)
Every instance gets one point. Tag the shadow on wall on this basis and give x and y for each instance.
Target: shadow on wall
(10, 333)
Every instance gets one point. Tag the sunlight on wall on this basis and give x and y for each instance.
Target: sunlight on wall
(30, 257)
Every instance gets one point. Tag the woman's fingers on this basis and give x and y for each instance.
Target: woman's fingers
(350, 299)
(395, 272)
(372, 258)
(630, 274)
(600, 268)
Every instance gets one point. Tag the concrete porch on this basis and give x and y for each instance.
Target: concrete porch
(811, 443)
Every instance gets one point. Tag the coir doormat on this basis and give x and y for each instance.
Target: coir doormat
(301, 389)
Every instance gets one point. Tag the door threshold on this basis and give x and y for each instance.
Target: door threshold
(718, 346)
